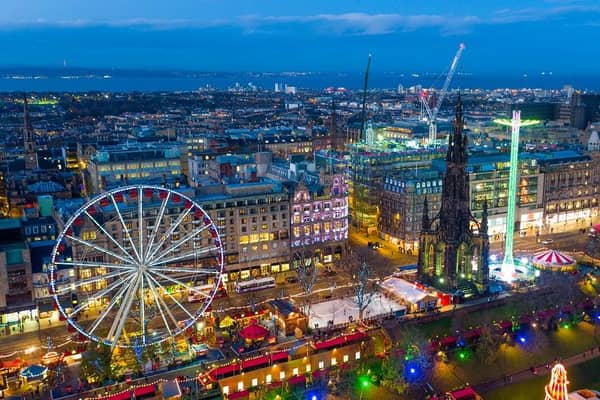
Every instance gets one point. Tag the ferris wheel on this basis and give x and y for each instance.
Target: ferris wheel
(144, 263)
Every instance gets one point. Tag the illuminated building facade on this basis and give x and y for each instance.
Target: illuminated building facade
(16, 302)
(320, 223)
(403, 195)
(402, 206)
(114, 166)
(369, 169)
(571, 189)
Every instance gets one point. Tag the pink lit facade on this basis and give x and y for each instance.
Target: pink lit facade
(319, 224)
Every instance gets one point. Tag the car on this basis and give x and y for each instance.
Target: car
(291, 279)
(547, 241)
(330, 272)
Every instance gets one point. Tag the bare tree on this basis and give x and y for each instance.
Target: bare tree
(363, 296)
(306, 269)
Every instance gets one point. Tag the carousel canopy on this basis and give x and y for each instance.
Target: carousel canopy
(553, 258)
(254, 331)
(33, 371)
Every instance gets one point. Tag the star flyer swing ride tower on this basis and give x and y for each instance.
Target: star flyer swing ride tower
(508, 263)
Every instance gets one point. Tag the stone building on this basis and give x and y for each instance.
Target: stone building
(451, 254)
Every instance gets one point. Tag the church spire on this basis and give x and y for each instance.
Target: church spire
(457, 143)
(425, 221)
(31, 161)
(484, 219)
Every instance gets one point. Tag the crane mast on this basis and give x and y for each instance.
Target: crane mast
(364, 102)
(432, 114)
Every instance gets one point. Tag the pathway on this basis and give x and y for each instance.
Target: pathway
(541, 370)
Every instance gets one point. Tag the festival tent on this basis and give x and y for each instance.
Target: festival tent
(554, 260)
(254, 332)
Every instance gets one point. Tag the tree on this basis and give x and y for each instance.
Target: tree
(306, 268)
(486, 349)
(97, 365)
(363, 298)
(414, 345)
(392, 377)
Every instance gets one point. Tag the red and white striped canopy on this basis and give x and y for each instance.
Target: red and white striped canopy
(552, 258)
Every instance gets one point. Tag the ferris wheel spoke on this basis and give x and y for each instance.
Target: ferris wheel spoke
(127, 233)
(98, 248)
(94, 265)
(184, 256)
(109, 236)
(107, 310)
(157, 223)
(172, 298)
(140, 226)
(157, 301)
(168, 234)
(96, 278)
(142, 298)
(179, 243)
(121, 317)
(99, 295)
(178, 282)
(181, 270)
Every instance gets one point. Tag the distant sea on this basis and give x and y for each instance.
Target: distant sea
(83, 80)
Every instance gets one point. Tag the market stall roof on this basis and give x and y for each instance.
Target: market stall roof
(553, 259)
(404, 289)
(171, 389)
(254, 331)
(226, 322)
(16, 363)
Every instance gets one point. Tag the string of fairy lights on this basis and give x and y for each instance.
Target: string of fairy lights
(32, 349)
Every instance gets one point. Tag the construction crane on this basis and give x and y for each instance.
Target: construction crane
(432, 114)
(364, 102)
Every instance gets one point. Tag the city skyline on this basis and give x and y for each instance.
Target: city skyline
(516, 37)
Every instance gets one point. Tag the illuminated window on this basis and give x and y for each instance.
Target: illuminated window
(357, 355)
(308, 368)
(346, 358)
(225, 389)
(254, 381)
(240, 386)
(268, 378)
(295, 371)
(282, 375)
(321, 364)
(89, 235)
(333, 361)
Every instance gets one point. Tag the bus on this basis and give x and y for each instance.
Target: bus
(254, 284)
(194, 296)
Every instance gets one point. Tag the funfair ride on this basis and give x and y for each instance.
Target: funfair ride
(135, 253)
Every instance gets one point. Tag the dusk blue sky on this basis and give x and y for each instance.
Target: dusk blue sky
(521, 36)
